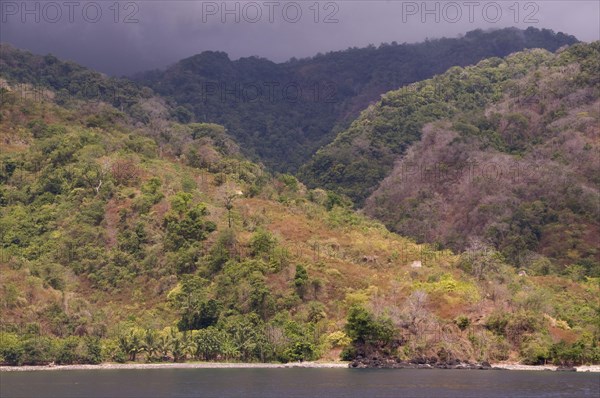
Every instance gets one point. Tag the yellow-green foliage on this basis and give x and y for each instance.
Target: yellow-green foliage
(446, 284)
(338, 339)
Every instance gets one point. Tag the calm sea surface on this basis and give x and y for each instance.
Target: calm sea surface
(284, 383)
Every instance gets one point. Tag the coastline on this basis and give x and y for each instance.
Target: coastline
(182, 365)
(516, 366)
(240, 365)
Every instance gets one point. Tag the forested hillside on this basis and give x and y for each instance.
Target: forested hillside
(282, 113)
(508, 156)
(127, 235)
(68, 81)
(360, 157)
(514, 164)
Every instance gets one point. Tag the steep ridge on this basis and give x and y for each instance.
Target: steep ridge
(518, 172)
(282, 113)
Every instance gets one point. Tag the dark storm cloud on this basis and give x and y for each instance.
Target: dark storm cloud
(141, 35)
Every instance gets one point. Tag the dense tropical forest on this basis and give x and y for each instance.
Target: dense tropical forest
(132, 229)
(282, 113)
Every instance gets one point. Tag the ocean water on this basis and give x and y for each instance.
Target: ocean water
(297, 382)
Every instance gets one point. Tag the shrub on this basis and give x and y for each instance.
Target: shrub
(112, 350)
(348, 353)
(535, 350)
(462, 322)
(300, 351)
(368, 333)
(220, 179)
(262, 242)
(38, 350)
(338, 339)
(497, 322)
(125, 171)
(301, 280)
(67, 351)
(289, 181)
(11, 349)
(93, 350)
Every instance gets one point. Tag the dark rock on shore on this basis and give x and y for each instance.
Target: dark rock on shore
(566, 369)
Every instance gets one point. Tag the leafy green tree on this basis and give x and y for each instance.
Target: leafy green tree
(223, 250)
(11, 349)
(207, 344)
(535, 350)
(132, 240)
(262, 243)
(316, 312)
(186, 224)
(185, 260)
(67, 351)
(300, 351)
(199, 316)
(182, 114)
(93, 350)
(334, 199)
(369, 334)
(190, 298)
(301, 280)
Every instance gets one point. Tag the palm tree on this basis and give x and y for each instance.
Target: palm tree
(131, 343)
(179, 345)
(229, 350)
(150, 345)
(163, 345)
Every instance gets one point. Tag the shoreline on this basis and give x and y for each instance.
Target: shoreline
(241, 365)
(182, 365)
(553, 368)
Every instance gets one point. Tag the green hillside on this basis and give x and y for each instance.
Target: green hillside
(282, 113)
(149, 240)
(127, 234)
(504, 152)
(68, 81)
(516, 166)
(360, 157)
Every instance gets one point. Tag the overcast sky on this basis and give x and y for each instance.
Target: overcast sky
(131, 36)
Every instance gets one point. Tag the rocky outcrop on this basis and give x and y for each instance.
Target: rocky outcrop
(566, 368)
